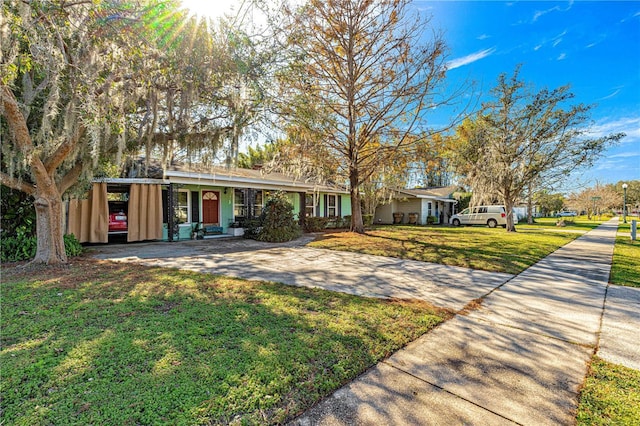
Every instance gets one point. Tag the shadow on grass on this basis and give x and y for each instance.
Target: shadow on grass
(122, 344)
(476, 251)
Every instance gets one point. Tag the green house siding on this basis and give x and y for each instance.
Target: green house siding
(226, 207)
(225, 211)
(342, 208)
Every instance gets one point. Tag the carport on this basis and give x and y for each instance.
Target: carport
(135, 203)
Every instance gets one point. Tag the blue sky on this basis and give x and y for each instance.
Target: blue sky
(592, 45)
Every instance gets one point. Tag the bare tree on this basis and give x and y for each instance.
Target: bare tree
(596, 199)
(362, 78)
(523, 137)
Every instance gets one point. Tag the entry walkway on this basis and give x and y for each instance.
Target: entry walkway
(518, 359)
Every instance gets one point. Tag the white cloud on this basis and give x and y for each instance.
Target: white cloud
(626, 155)
(562, 56)
(466, 60)
(483, 37)
(611, 95)
(540, 13)
(628, 125)
(538, 47)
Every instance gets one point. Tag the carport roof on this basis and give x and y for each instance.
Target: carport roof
(441, 193)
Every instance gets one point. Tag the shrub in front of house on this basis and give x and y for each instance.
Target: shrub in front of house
(315, 224)
(431, 220)
(23, 247)
(278, 221)
(367, 219)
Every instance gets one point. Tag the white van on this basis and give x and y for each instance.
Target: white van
(491, 216)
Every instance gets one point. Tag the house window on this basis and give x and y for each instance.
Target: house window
(310, 201)
(429, 208)
(332, 205)
(239, 204)
(183, 206)
(209, 196)
(258, 203)
(245, 198)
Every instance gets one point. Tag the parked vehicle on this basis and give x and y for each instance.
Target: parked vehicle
(117, 222)
(565, 214)
(491, 216)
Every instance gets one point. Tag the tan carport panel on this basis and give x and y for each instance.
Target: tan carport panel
(145, 212)
(89, 218)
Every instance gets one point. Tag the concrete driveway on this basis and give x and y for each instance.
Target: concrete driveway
(294, 264)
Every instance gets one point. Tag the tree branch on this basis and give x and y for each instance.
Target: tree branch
(71, 177)
(14, 183)
(21, 135)
(63, 150)
(16, 120)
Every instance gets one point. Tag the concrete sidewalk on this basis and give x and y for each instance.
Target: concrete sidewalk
(518, 359)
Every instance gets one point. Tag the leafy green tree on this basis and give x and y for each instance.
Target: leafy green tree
(204, 91)
(522, 137)
(259, 156)
(633, 194)
(18, 215)
(548, 202)
(83, 84)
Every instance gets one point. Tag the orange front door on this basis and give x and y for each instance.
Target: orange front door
(210, 207)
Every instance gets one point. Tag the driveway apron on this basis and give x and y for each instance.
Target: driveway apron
(363, 275)
(518, 359)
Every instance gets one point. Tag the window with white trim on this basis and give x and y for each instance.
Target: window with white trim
(332, 205)
(258, 204)
(239, 204)
(310, 202)
(183, 206)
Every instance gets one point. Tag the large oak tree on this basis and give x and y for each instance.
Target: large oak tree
(66, 85)
(88, 81)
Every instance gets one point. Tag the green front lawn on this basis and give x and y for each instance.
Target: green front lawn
(471, 247)
(626, 259)
(610, 396)
(103, 343)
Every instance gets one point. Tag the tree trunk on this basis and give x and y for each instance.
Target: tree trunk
(508, 205)
(530, 209)
(356, 212)
(50, 248)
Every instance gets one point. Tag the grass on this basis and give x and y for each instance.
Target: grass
(472, 247)
(610, 396)
(611, 393)
(578, 223)
(105, 343)
(626, 259)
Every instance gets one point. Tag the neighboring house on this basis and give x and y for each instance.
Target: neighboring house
(417, 205)
(221, 199)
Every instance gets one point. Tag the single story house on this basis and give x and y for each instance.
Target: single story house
(418, 206)
(220, 200)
